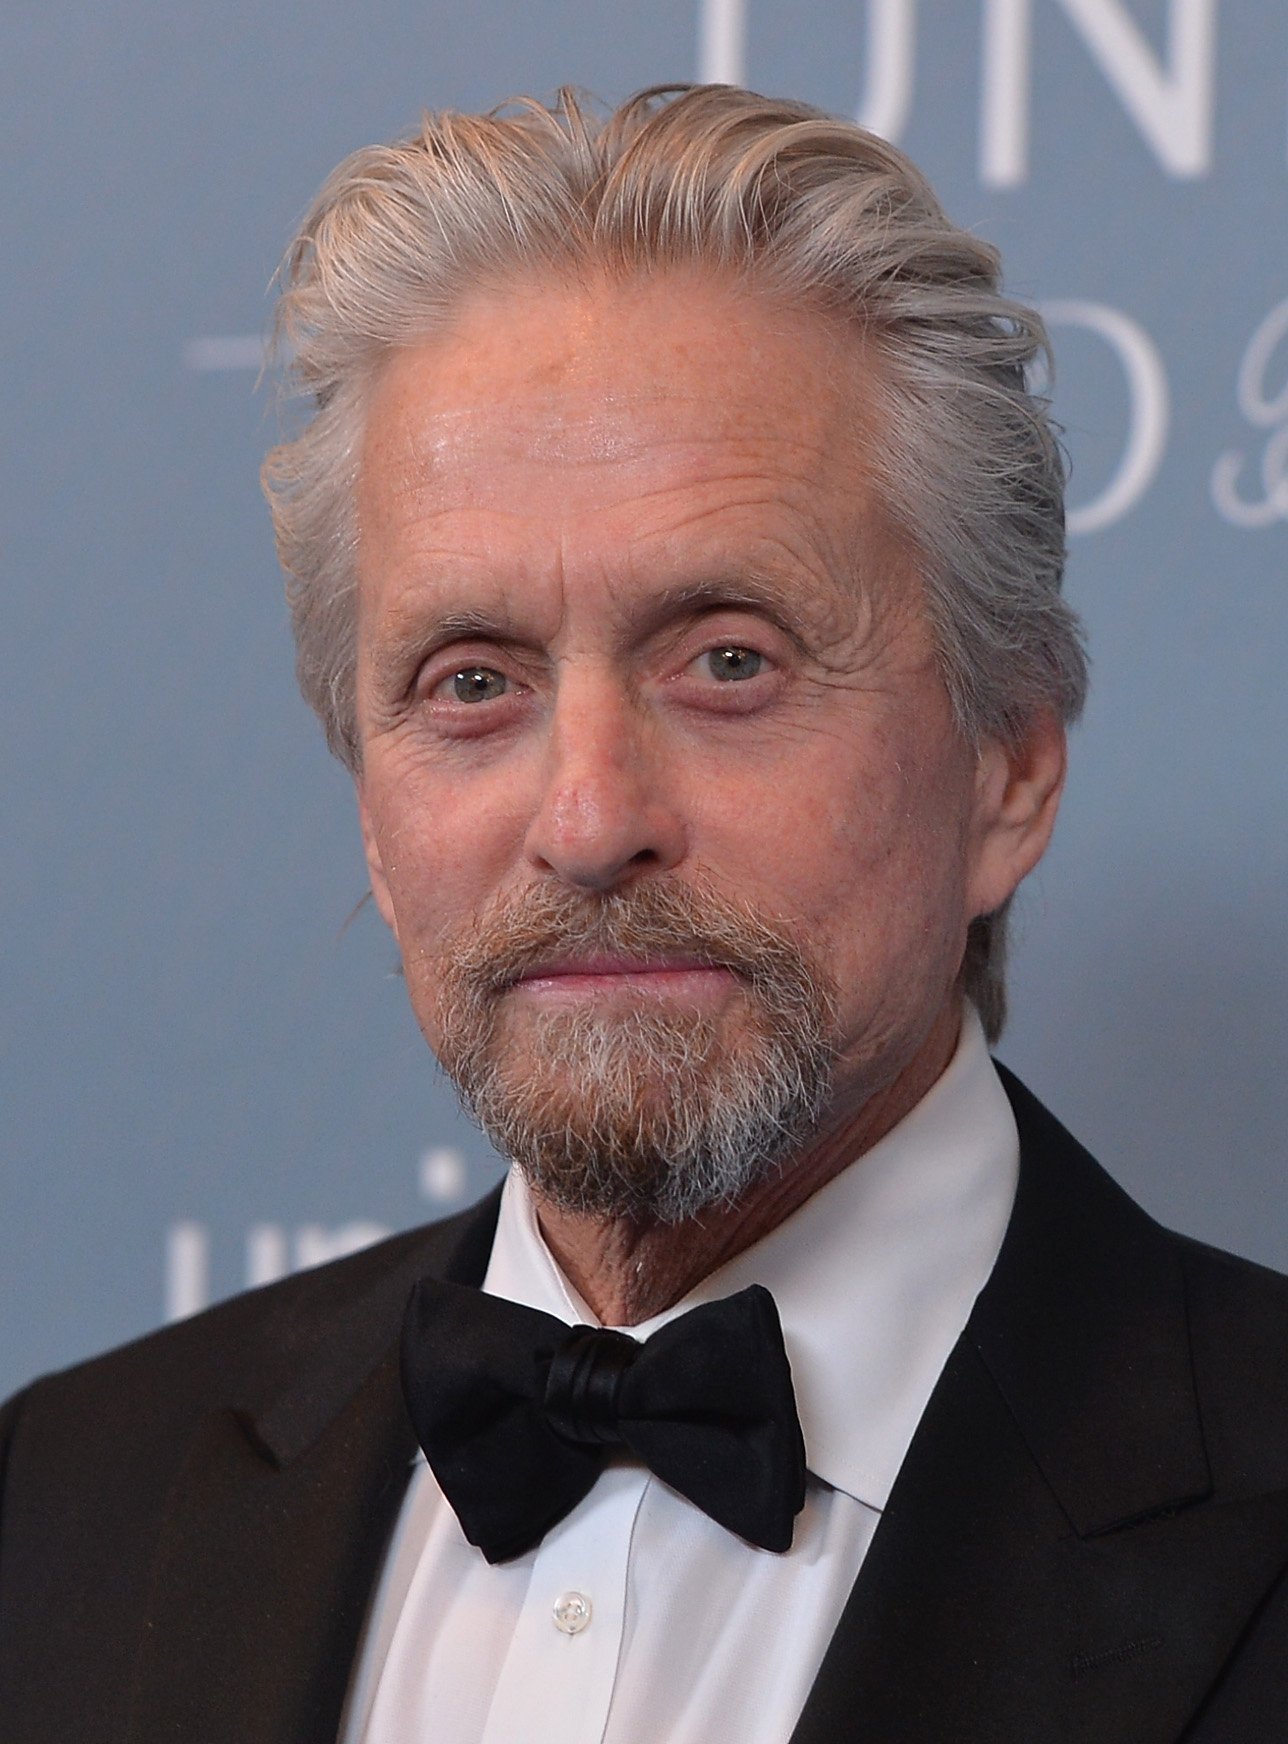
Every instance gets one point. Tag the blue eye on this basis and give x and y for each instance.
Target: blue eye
(478, 684)
(734, 663)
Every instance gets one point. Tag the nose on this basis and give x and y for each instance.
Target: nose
(604, 815)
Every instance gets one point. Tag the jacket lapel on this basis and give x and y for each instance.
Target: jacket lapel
(278, 1518)
(1049, 1567)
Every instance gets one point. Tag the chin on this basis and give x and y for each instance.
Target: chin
(655, 1119)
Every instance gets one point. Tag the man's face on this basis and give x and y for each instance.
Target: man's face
(659, 775)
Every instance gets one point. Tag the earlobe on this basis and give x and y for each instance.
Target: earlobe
(1017, 796)
(375, 863)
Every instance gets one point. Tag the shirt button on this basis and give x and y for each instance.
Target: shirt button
(572, 1613)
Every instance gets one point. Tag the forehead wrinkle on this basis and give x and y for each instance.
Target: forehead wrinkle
(480, 362)
(832, 560)
(478, 471)
(586, 422)
(464, 439)
(737, 505)
(811, 568)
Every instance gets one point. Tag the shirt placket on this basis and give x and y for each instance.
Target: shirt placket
(559, 1673)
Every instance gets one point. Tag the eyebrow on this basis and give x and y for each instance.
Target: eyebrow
(748, 590)
(752, 589)
(412, 635)
(404, 642)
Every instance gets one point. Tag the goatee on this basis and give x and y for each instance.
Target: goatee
(655, 1113)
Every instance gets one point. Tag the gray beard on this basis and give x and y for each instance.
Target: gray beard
(653, 1115)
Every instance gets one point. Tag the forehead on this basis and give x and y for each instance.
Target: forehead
(623, 423)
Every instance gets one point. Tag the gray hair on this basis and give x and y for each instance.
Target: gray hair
(761, 191)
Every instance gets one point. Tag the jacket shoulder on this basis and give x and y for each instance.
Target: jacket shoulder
(147, 1393)
(1175, 1315)
(1238, 1318)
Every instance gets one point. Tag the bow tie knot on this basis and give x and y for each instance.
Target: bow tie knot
(584, 1384)
(516, 1412)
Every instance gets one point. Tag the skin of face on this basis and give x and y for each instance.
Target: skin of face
(630, 608)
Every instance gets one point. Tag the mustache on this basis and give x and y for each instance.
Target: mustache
(654, 918)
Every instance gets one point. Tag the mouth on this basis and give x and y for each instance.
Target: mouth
(579, 977)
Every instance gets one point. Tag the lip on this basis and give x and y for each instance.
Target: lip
(620, 974)
(606, 965)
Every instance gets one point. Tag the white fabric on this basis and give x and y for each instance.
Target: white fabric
(694, 1636)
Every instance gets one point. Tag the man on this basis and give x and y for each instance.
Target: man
(675, 555)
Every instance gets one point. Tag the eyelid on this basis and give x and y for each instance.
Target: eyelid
(444, 663)
(760, 645)
(757, 632)
(432, 691)
(754, 625)
(741, 620)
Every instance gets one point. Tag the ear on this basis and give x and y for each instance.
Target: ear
(1017, 795)
(375, 861)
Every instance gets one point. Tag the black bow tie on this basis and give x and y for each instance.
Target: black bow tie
(516, 1412)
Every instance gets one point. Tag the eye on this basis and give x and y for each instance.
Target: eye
(474, 684)
(731, 663)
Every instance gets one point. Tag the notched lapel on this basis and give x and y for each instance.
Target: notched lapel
(1085, 1329)
(262, 1575)
(980, 1616)
(298, 1401)
(276, 1521)
(1051, 1568)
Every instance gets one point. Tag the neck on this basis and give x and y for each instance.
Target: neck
(626, 1271)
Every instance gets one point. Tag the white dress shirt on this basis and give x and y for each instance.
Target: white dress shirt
(638, 1618)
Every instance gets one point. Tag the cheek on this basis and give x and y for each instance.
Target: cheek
(875, 856)
(444, 843)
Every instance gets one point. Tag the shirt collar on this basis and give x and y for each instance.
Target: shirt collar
(874, 1276)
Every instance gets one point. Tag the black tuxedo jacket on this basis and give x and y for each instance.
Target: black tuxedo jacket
(1087, 1541)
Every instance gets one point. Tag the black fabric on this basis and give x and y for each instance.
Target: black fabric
(517, 1412)
(1087, 1543)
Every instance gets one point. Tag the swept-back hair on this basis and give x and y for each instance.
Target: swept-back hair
(768, 194)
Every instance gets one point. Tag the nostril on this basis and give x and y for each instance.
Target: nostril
(602, 818)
